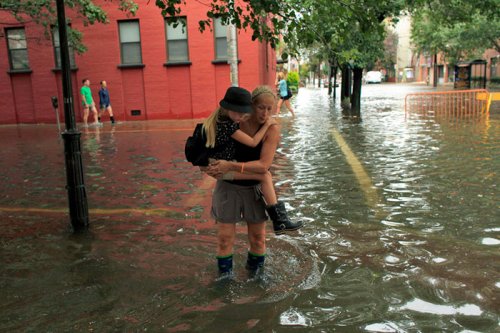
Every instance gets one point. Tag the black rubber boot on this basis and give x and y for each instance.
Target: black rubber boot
(255, 263)
(281, 222)
(225, 265)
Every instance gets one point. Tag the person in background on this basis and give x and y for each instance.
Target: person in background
(88, 103)
(104, 102)
(283, 93)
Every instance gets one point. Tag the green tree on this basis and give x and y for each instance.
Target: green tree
(458, 29)
(267, 19)
(348, 33)
(390, 51)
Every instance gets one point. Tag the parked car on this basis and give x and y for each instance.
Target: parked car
(373, 77)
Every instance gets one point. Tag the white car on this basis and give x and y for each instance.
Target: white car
(373, 77)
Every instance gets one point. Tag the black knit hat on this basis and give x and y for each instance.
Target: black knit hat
(237, 99)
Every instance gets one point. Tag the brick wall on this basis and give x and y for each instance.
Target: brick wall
(158, 91)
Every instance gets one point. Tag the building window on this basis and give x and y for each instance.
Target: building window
(57, 50)
(18, 48)
(130, 42)
(220, 35)
(177, 40)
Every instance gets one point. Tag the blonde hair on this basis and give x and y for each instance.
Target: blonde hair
(210, 126)
(261, 90)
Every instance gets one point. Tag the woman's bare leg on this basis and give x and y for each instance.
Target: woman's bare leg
(225, 238)
(278, 107)
(289, 107)
(257, 237)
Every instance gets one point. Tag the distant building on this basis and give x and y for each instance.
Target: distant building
(420, 67)
(405, 66)
(154, 70)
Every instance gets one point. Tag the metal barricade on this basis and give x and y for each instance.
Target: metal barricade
(449, 104)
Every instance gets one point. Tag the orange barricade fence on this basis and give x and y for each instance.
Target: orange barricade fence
(458, 103)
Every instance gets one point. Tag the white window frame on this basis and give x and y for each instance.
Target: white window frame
(176, 35)
(130, 42)
(220, 40)
(17, 45)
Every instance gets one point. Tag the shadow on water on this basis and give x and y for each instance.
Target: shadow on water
(401, 229)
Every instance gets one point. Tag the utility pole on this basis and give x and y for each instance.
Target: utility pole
(77, 196)
(232, 54)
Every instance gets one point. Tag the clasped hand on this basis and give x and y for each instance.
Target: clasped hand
(217, 168)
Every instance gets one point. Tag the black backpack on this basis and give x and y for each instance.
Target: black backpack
(196, 151)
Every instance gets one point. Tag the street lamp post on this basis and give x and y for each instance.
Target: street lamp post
(77, 196)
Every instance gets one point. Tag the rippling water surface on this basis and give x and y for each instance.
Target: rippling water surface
(401, 234)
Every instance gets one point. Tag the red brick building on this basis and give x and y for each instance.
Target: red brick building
(446, 72)
(154, 70)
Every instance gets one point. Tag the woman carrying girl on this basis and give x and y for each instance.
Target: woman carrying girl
(234, 197)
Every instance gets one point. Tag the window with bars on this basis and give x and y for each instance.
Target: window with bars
(17, 48)
(57, 50)
(130, 42)
(177, 39)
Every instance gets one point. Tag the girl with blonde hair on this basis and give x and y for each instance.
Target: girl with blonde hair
(283, 93)
(222, 126)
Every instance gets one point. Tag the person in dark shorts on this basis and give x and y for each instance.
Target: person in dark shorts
(104, 102)
(282, 87)
(241, 200)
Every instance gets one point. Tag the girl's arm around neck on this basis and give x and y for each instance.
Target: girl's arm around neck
(247, 140)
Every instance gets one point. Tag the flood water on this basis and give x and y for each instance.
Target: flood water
(402, 228)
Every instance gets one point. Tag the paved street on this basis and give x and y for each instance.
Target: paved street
(390, 203)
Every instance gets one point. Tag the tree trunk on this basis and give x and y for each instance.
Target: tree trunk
(335, 83)
(356, 91)
(330, 80)
(345, 91)
(319, 76)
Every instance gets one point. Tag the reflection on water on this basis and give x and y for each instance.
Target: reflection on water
(412, 246)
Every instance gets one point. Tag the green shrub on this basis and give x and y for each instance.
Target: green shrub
(477, 78)
(292, 81)
(495, 80)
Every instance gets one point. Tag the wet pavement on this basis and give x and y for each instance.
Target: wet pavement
(401, 230)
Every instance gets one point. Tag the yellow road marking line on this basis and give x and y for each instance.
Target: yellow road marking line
(362, 176)
(97, 211)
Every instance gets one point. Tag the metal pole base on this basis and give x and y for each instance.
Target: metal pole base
(77, 195)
